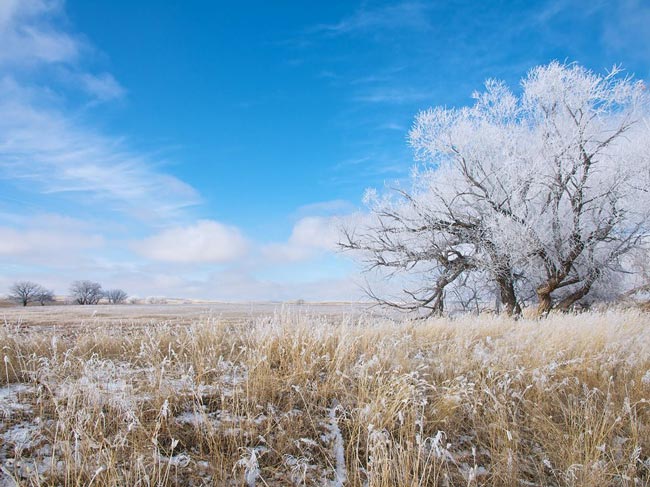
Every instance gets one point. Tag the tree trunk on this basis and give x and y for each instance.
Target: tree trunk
(508, 296)
(545, 301)
(572, 298)
(439, 307)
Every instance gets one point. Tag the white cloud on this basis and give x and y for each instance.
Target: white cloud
(205, 241)
(36, 242)
(393, 126)
(316, 232)
(48, 241)
(46, 145)
(102, 87)
(627, 25)
(394, 95)
(49, 245)
(402, 15)
(238, 286)
(325, 208)
(311, 236)
(230, 284)
(56, 154)
(27, 35)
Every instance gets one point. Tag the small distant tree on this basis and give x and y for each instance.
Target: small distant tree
(116, 296)
(86, 292)
(45, 296)
(24, 292)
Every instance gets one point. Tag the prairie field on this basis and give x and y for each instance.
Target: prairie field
(322, 396)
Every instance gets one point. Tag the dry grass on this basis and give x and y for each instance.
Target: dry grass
(297, 400)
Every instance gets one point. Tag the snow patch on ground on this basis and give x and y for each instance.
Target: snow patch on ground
(10, 399)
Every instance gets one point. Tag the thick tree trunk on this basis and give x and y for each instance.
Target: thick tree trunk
(508, 297)
(439, 307)
(545, 301)
(573, 298)
(544, 294)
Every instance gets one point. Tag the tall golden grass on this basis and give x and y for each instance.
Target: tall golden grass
(293, 399)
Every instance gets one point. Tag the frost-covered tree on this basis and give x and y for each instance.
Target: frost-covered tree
(86, 292)
(540, 194)
(637, 284)
(45, 296)
(24, 292)
(116, 296)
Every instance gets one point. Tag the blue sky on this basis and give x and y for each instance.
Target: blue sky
(209, 149)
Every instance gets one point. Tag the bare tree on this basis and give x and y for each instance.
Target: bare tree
(86, 292)
(638, 282)
(24, 292)
(545, 191)
(116, 296)
(45, 296)
(405, 236)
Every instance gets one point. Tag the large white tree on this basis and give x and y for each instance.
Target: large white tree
(538, 194)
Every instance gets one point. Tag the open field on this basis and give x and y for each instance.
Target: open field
(329, 398)
(73, 316)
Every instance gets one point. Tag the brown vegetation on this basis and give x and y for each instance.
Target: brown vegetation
(296, 400)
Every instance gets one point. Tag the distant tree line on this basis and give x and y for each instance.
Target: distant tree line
(25, 292)
(82, 292)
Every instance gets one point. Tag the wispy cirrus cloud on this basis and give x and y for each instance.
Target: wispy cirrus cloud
(393, 95)
(401, 15)
(629, 27)
(49, 145)
(28, 36)
(325, 208)
(102, 86)
(54, 153)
